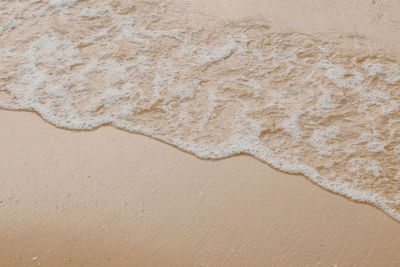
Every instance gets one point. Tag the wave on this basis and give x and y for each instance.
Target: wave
(325, 106)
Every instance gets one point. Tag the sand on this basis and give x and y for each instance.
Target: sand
(110, 198)
(375, 19)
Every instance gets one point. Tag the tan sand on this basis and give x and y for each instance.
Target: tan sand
(375, 19)
(111, 198)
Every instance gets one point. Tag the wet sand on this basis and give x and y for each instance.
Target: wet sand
(111, 198)
(377, 20)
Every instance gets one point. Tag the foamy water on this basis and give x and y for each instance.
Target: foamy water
(323, 106)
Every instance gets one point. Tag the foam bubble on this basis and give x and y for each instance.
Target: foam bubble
(62, 3)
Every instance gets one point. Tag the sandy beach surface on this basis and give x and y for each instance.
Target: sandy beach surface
(107, 197)
(111, 198)
(375, 19)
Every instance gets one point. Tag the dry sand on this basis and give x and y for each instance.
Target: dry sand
(111, 198)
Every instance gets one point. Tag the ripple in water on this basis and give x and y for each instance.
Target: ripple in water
(321, 106)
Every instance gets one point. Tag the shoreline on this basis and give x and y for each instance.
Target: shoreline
(242, 154)
(318, 155)
(149, 203)
(107, 196)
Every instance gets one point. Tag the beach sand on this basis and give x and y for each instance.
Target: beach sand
(111, 198)
(377, 20)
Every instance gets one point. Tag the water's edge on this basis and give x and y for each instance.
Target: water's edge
(326, 108)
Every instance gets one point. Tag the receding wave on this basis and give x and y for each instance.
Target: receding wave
(324, 107)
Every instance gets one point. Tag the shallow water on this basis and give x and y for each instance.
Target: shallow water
(326, 106)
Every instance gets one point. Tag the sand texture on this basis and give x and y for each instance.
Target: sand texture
(310, 88)
(322, 104)
(111, 198)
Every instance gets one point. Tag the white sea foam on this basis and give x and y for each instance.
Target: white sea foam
(62, 3)
(213, 90)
